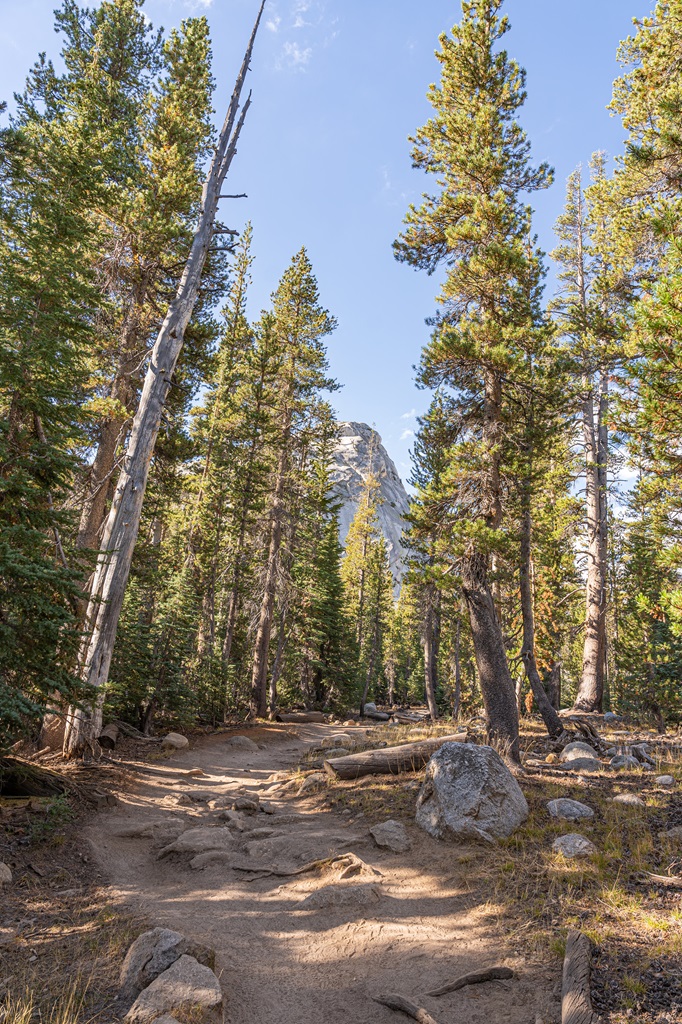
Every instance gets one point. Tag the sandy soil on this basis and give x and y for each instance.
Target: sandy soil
(283, 961)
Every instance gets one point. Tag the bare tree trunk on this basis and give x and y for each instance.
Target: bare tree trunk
(494, 677)
(430, 644)
(374, 652)
(259, 676)
(554, 685)
(277, 665)
(591, 689)
(549, 715)
(111, 576)
(457, 664)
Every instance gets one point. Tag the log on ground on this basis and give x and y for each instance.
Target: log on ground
(576, 1004)
(108, 738)
(300, 716)
(403, 1005)
(409, 757)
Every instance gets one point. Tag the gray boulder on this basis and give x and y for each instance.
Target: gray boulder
(665, 780)
(313, 783)
(469, 793)
(5, 874)
(341, 896)
(241, 743)
(337, 739)
(154, 952)
(624, 761)
(629, 799)
(200, 840)
(186, 986)
(577, 749)
(583, 764)
(391, 834)
(569, 810)
(174, 741)
(573, 845)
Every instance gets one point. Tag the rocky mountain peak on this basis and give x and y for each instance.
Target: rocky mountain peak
(358, 453)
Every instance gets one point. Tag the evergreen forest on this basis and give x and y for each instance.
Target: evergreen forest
(170, 555)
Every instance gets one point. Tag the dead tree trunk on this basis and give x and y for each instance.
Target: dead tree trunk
(113, 567)
(591, 690)
(576, 1003)
(409, 757)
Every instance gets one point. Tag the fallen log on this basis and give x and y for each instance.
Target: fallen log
(670, 881)
(409, 757)
(404, 1005)
(475, 978)
(108, 738)
(376, 716)
(300, 716)
(576, 1004)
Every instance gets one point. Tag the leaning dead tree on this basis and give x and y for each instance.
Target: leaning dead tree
(83, 725)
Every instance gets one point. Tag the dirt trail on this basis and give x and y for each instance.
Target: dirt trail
(282, 962)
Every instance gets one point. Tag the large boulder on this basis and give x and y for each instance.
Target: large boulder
(174, 741)
(240, 742)
(199, 840)
(583, 764)
(186, 987)
(577, 749)
(624, 761)
(469, 793)
(154, 952)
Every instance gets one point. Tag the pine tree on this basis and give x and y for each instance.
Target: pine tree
(298, 326)
(477, 226)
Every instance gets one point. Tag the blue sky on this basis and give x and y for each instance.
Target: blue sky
(338, 85)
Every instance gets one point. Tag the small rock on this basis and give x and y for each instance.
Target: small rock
(348, 722)
(610, 717)
(337, 752)
(673, 835)
(186, 985)
(174, 741)
(241, 743)
(573, 845)
(195, 773)
(5, 874)
(469, 793)
(151, 954)
(569, 810)
(182, 800)
(278, 777)
(247, 803)
(629, 799)
(583, 764)
(338, 739)
(218, 802)
(577, 749)
(267, 808)
(313, 783)
(611, 752)
(624, 761)
(552, 759)
(665, 780)
(341, 896)
(371, 707)
(391, 834)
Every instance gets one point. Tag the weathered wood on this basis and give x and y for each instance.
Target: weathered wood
(301, 716)
(670, 881)
(390, 760)
(108, 738)
(400, 1003)
(474, 978)
(576, 1004)
(83, 724)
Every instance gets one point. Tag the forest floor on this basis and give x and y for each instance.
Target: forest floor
(317, 948)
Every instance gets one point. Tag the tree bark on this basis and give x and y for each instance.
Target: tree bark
(409, 757)
(549, 714)
(576, 1004)
(259, 675)
(430, 643)
(494, 677)
(113, 567)
(591, 690)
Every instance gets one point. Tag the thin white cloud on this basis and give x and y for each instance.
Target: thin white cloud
(198, 5)
(409, 415)
(273, 23)
(406, 435)
(295, 57)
